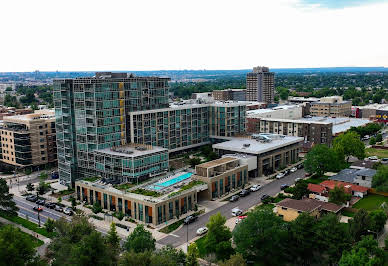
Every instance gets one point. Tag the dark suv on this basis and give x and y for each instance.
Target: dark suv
(264, 197)
(244, 193)
(190, 219)
(32, 198)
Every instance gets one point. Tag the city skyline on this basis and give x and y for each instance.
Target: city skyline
(151, 35)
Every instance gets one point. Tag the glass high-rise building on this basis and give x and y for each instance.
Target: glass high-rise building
(91, 114)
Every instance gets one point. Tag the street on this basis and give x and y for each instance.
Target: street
(179, 237)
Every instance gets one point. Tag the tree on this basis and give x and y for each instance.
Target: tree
(332, 238)
(132, 258)
(380, 179)
(30, 187)
(300, 190)
(302, 241)
(73, 202)
(78, 243)
(366, 252)
(262, 237)
(96, 207)
(377, 220)
(218, 238)
(359, 225)
(235, 260)
(192, 255)
(320, 159)
(168, 256)
(7, 205)
(379, 138)
(338, 195)
(194, 161)
(50, 225)
(140, 240)
(372, 141)
(349, 144)
(16, 247)
(113, 238)
(43, 187)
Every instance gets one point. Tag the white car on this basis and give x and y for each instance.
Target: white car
(293, 169)
(236, 212)
(373, 158)
(255, 188)
(68, 211)
(201, 231)
(297, 179)
(280, 175)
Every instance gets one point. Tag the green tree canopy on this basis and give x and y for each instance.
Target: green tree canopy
(235, 260)
(380, 179)
(218, 238)
(349, 144)
(366, 252)
(377, 219)
(78, 243)
(262, 237)
(338, 195)
(192, 255)
(7, 205)
(359, 225)
(320, 159)
(140, 240)
(16, 248)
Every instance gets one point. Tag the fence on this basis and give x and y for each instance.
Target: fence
(373, 191)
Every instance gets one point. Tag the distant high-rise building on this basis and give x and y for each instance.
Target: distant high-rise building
(260, 85)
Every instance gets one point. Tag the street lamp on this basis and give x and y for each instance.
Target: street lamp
(37, 195)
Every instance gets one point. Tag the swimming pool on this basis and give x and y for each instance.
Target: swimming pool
(158, 186)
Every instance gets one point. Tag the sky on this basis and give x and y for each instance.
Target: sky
(77, 35)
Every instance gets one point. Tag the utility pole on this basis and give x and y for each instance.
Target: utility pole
(37, 194)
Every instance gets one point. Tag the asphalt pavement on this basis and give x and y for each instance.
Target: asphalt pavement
(181, 236)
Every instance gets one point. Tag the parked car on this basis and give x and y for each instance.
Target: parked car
(234, 198)
(50, 205)
(255, 188)
(287, 172)
(201, 231)
(293, 169)
(37, 208)
(40, 202)
(280, 175)
(58, 208)
(297, 179)
(190, 219)
(265, 196)
(284, 186)
(244, 193)
(32, 198)
(373, 158)
(384, 160)
(307, 174)
(240, 218)
(68, 211)
(300, 166)
(236, 212)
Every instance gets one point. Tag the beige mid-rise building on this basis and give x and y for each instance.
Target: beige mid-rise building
(29, 140)
(260, 85)
(333, 106)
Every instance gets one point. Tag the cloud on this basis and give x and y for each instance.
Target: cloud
(339, 3)
(191, 34)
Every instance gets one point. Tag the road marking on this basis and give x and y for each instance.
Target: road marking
(42, 215)
(175, 235)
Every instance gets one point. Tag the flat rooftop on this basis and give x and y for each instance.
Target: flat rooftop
(340, 124)
(217, 162)
(132, 150)
(37, 115)
(253, 146)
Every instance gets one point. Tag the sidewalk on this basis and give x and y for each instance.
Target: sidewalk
(42, 249)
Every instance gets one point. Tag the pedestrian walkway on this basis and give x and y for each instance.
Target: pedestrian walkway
(43, 248)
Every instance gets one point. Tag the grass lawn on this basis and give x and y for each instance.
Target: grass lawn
(376, 152)
(36, 242)
(171, 227)
(29, 225)
(200, 245)
(268, 206)
(348, 213)
(370, 202)
(316, 180)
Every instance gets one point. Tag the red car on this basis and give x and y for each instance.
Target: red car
(38, 208)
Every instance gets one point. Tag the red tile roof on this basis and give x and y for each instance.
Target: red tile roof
(331, 184)
(316, 188)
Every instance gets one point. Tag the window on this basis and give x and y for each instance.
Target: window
(41, 133)
(41, 146)
(43, 158)
(41, 140)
